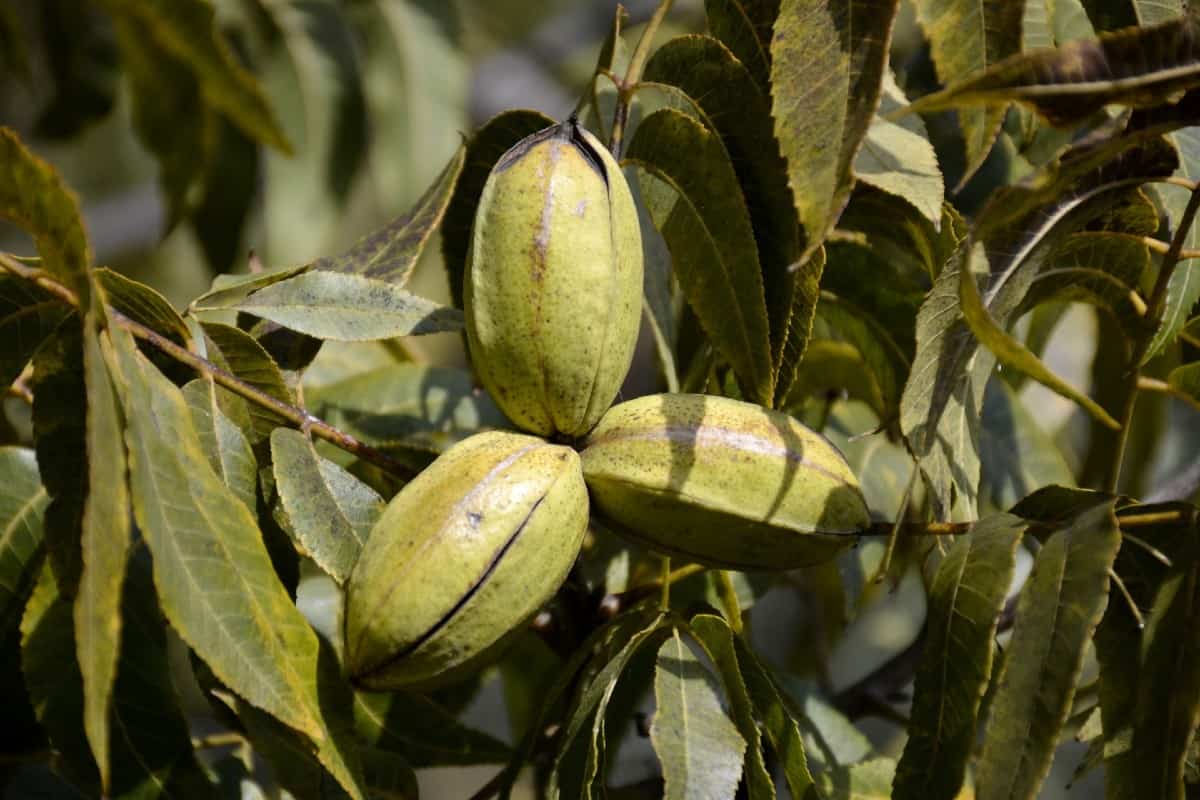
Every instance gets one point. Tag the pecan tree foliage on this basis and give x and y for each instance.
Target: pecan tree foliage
(183, 492)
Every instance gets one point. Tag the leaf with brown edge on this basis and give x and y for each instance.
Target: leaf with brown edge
(214, 577)
(391, 253)
(897, 157)
(349, 307)
(1136, 67)
(827, 63)
(239, 353)
(143, 304)
(33, 196)
(1014, 354)
(965, 600)
(735, 107)
(228, 450)
(104, 548)
(745, 28)
(702, 216)
(1057, 611)
(1017, 232)
(966, 37)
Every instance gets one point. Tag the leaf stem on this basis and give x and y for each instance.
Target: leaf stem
(664, 599)
(297, 416)
(1154, 306)
(1155, 385)
(729, 599)
(627, 86)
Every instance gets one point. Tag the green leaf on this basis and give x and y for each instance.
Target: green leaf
(1098, 267)
(59, 430)
(850, 350)
(384, 721)
(327, 510)
(213, 574)
(312, 75)
(391, 253)
(23, 501)
(238, 353)
(1151, 12)
(867, 780)
(1183, 288)
(706, 224)
(76, 48)
(745, 28)
(614, 646)
(698, 746)
(1134, 67)
(33, 196)
(228, 450)
(408, 409)
(416, 83)
(164, 90)
(105, 546)
(189, 30)
(349, 307)
(967, 37)
(715, 636)
(965, 600)
(1127, 693)
(143, 304)
(389, 776)
(827, 65)
(779, 721)
(902, 252)
(151, 750)
(659, 296)
(230, 192)
(1013, 353)
(940, 405)
(883, 466)
(597, 112)
(308, 775)
(898, 158)
(1187, 379)
(1017, 456)
(483, 151)
(1017, 231)
(1167, 708)
(53, 681)
(229, 290)
(830, 738)
(1050, 22)
(1058, 609)
(740, 112)
(805, 292)
(14, 52)
(28, 315)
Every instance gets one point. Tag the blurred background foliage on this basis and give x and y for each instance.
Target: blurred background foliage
(372, 97)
